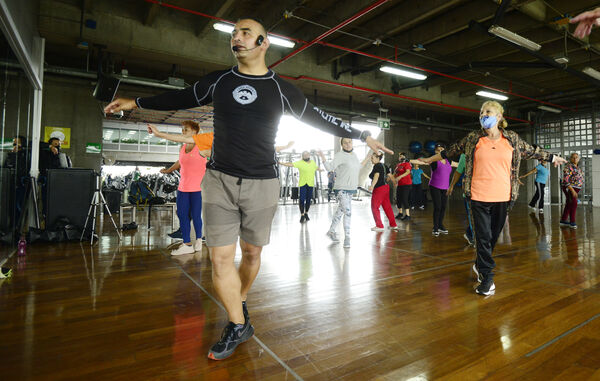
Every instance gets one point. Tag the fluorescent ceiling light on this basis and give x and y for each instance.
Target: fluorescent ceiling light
(362, 125)
(514, 38)
(551, 109)
(222, 27)
(402, 72)
(228, 28)
(592, 72)
(132, 132)
(281, 42)
(562, 60)
(487, 94)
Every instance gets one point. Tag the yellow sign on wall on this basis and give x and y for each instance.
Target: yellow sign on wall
(62, 133)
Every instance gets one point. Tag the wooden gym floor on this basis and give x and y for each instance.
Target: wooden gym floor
(395, 306)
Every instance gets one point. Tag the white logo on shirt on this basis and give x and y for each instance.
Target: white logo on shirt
(245, 94)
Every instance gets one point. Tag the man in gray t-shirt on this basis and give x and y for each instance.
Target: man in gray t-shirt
(347, 167)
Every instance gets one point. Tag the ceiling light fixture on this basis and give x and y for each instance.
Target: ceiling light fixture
(514, 38)
(228, 28)
(487, 94)
(402, 72)
(551, 109)
(592, 72)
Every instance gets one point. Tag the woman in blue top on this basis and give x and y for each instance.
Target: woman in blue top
(417, 196)
(540, 183)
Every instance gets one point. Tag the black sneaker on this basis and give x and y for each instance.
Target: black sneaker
(443, 230)
(302, 219)
(306, 217)
(246, 314)
(405, 218)
(399, 216)
(232, 336)
(435, 232)
(486, 287)
(176, 234)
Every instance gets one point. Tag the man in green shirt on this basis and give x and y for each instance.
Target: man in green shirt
(455, 178)
(306, 182)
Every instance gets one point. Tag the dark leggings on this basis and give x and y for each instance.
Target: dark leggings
(539, 194)
(488, 222)
(402, 195)
(570, 205)
(439, 198)
(416, 195)
(305, 197)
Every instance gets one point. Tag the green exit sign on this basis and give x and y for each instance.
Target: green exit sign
(383, 123)
(547, 146)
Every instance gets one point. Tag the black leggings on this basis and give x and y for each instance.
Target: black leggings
(539, 194)
(439, 198)
(416, 195)
(402, 195)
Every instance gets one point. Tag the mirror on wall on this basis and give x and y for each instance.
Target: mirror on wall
(16, 101)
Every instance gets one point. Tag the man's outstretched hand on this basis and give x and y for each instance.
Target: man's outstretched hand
(377, 146)
(120, 104)
(587, 20)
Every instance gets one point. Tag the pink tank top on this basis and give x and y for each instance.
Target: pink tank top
(440, 178)
(193, 167)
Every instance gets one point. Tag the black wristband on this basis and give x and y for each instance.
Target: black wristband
(364, 135)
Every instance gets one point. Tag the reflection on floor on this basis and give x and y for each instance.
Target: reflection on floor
(394, 306)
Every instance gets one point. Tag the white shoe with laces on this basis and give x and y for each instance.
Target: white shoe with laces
(198, 245)
(183, 249)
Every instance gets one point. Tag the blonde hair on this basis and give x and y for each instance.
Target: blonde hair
(498, 107)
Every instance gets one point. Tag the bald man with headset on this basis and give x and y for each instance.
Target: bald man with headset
(241, 185)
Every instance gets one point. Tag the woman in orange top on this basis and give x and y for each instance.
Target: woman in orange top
(491, 182)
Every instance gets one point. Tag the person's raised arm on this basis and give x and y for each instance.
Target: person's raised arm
(587, 20)
(197, 95)
(534, 170)
(152, 129)
(295, 103)
(529, 151)
(418, 162)
(172, 168)
(287, 164)
(281, 148)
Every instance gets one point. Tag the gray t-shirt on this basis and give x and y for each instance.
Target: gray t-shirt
(347, 168)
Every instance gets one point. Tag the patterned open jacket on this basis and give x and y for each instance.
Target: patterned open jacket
(521, 150)
(572, 175)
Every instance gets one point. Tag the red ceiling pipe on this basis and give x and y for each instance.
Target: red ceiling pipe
(367, 55)
(331, 31)
(365, 89)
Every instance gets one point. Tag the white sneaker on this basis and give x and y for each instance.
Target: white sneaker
(376, 229)
(333, 236)
(541, 210)
(347, 242)
(394, 228)
(183, 249)
(198, 245)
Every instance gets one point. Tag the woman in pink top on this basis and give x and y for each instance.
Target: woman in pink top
(491, 182)
(192, 166)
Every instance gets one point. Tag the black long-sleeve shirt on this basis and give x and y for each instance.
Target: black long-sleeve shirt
(247, 109)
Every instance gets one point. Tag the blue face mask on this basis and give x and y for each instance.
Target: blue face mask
(488, 122)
